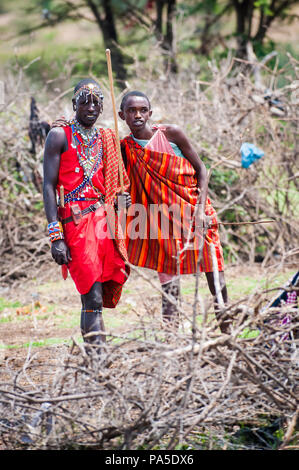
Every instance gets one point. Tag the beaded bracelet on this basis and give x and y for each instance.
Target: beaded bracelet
(55, 231)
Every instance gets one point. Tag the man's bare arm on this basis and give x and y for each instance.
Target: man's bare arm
(176, 135)
(54, 147)
(55, 144)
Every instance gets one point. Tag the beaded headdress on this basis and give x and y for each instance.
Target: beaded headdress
(90, 89)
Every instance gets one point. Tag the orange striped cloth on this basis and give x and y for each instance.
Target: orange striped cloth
(159, 182)
(112, 290)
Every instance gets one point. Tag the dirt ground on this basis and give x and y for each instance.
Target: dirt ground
(43, 314)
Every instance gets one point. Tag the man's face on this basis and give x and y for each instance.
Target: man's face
(88, 109)
(136, 113)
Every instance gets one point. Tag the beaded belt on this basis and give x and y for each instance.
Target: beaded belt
(91, 208)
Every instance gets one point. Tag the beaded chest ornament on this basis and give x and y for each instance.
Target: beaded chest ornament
(89, 152)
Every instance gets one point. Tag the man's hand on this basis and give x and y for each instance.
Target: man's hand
(60, 252)
(123, 201)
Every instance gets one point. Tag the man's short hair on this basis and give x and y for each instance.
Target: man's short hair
(133, 93)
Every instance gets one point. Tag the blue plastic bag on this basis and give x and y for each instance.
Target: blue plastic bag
(250, 153)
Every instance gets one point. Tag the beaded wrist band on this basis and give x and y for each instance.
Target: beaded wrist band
(55, 231)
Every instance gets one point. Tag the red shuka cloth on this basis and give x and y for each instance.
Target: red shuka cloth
(159, 179)
(96, 256)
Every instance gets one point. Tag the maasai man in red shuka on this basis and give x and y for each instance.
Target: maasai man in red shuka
(84, 231)
(166, 172)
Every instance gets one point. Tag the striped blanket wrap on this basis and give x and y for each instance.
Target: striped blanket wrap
(163, 181)
(112, 290)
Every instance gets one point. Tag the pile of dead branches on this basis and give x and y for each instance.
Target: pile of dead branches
(153, 387)
(23, 245)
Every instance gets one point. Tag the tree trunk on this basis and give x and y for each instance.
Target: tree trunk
(266, 20)
(244, 12)
(106, 23)
(165, 34)
(159, 18)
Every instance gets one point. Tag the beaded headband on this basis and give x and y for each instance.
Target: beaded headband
(91, 89)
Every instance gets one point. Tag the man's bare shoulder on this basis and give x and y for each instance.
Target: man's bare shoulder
(56, 139)
(171, 127)
(56, 132)
(173, 132)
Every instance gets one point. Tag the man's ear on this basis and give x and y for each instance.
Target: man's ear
(150, 113)
(121, 115)
(74, 105)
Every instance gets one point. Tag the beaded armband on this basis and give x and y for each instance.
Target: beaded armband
(55, 231)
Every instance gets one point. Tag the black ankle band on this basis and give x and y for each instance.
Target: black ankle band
(91, 311)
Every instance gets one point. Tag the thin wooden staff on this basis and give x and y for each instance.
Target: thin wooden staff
(121, 178)
(244, 223)
(61, 191)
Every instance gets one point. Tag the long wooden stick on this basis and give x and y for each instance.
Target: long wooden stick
(121, 178)
(61, 191)
(244, 223)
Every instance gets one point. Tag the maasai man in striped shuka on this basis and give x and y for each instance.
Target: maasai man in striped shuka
(166, 173)
(84, 230)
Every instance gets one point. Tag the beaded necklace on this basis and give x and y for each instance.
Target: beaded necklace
(90, 152)
(87, 144)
